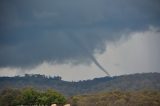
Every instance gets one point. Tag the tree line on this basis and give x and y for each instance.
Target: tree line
(30, 97)
(134, 82)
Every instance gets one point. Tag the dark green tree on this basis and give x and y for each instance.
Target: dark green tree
(29, 96)
(54, 97)
(9, 97)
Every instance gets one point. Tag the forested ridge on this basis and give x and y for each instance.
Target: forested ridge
(134, 82)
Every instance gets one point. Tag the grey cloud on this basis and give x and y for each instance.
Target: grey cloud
(84, 13)
(55, 46)
(34, 31)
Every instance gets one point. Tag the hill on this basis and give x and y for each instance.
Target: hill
(118, 98)
(134, 82)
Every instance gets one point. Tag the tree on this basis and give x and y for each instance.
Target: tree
(29, 96)
(54, 97)
(9, 97)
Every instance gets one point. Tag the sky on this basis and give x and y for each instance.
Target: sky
(78, 39)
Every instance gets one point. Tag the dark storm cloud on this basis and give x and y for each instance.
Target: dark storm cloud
(33, 31)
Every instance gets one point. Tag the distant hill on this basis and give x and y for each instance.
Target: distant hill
(134, 82)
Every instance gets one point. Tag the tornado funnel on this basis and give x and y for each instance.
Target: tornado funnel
(85, 48)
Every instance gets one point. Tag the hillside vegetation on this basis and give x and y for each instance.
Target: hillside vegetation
(135, 82)
(118, 98)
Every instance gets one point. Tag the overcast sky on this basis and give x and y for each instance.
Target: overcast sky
(67, 38)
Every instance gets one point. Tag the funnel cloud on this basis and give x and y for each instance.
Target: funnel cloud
(86, 49)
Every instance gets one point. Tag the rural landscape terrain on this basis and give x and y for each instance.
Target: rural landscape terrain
(126, 90)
